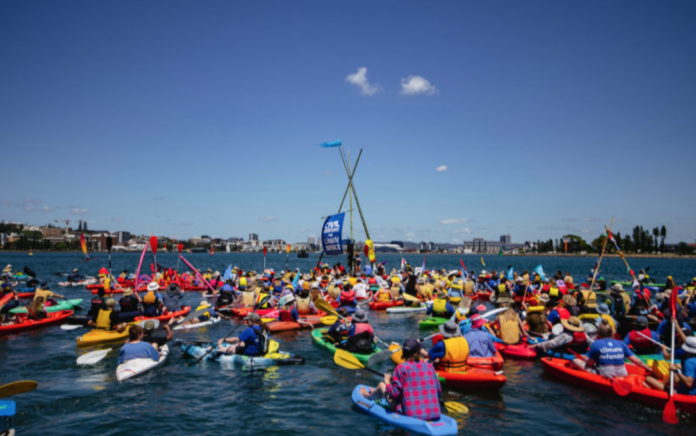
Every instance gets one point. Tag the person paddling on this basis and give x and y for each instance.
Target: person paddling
(414, 389)
(149, 334)
(441, 306)
(684, 372)
(451, 353)
(130, 305)
(136, 348)
(172, 298)
(107, 318)
(361, 336)
(152, 301)
(252, 342)
(637, 338)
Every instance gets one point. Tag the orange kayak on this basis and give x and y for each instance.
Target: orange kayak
(25, 323)
(473, 378)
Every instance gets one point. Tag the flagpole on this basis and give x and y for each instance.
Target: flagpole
(594, 274)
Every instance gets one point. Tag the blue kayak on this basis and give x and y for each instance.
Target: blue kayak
(443, 426)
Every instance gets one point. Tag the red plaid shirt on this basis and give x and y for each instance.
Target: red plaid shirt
(416, 388)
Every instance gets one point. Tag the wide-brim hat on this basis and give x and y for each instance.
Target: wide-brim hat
(573, 324)
(450, 329)
(690, 345)
(287, 300)
(253, 316)
(127, 291)
(617, 288)
(173, 289)
(503, 299)
(153, 286)
(603, 309)
(544, 298)
(359, 316)
(441, 294)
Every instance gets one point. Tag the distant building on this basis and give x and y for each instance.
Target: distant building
(122, 237)
(506, 239)
(253, 237)
(481, 246)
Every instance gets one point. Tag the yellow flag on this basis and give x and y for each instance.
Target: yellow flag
(482, 262)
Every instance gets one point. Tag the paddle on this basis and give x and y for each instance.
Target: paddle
(287, 255)
(669, 414)
(329, 320)
(387, 354)
(211, 348)
(180, 248)
(18, 387)
(653, 340)
(347, 360)
(153, 247)
(264, 257)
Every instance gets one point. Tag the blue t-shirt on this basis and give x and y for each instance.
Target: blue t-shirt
(251, 342)
(554, 317)
(139, 350)
(689, 370)
(438, 351)
(609, 352)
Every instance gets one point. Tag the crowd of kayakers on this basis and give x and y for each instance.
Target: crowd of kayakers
(597, 328)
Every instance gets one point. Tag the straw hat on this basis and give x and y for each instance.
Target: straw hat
(573, 324)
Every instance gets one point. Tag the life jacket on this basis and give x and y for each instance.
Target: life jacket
(640, 344)
(97, 304)
(618, 305)
(563, 312)
(537, 321)
(107, 284)
(555, 294)
(456, 354)
(579, 343)
(383, 296)
(347, 298)
(589, 299)
(509, 331)
(440, 307)
(285, 315)
(361, 341)
(503, 291)
(303, 304)
(260, 298)
(243, 282)
(395, 291)
(129, 304)
(372, 281)
(468, 288)
(333, 291)
(150, 298)
(248, 298)
(104, 319)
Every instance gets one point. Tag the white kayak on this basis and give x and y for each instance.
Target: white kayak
(211, 321)
(89, 281)
(404, 309)
(136, 367)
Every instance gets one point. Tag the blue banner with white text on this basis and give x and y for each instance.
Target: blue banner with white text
(331, 234)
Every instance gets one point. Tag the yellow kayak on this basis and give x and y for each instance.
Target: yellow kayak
(100, 336)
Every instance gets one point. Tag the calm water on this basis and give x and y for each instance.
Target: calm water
(309, 399)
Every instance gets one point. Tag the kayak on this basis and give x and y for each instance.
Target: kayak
(432, 323)
(473, 379)
(136, 367)
(494, 362)
(306, 322)
(63, 305)
(5, 299)
(384, 305)
(443, 426)
(80, 283)
(318, 338)
(211, 321)
(275, 358)
(21, 276)
(405, 309)
(567, 372)
(264, 313)
(630, 283)
(529, 299)
(100, 336)
(53, 318)
(519, 351)
(484, 296)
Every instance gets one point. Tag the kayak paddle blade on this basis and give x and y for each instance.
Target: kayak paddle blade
(329, 320)
(378, 358)
(93, 357)
(456, 408)
(18, 387)
(70, 327)
(347, 360)
(324, 306)
(669, 414)
(622, 387)
(109, 243)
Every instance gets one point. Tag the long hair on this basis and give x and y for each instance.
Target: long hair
(37, 305)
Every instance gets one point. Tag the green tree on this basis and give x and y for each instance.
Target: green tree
(663, 235)
(685, 248)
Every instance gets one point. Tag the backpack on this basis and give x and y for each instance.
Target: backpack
(359, 343)
(264, 340)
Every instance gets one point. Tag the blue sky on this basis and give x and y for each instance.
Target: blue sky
(205, 117)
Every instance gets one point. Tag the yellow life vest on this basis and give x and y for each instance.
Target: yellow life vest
(248, 298)
(590, 298)
(428, 293)
(107, 284)
(150, 298)
(383, 296)
(509, 331)
(260, 298)
(243, 281)
(627, 302)
(439, 307)
(303, 304)
(352, 281)
(104, 319)
(468, 288)
(555, 293)
(503, 291)
(395, 291)
(456, 354)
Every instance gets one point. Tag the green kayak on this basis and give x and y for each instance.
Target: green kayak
(432, 323)
(319, 339)
(630, 283)
(63, 305)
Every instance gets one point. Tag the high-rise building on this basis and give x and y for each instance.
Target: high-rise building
(253, 237)
(506, 239)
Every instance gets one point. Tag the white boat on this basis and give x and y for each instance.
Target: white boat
(136, 367)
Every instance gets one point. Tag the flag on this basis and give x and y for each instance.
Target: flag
(464, 271)
(423, 267)
(511, 274)
(539, 270)
(482, 262)
(83, 244)
(228, 273)
(296, 279)
(673, 301)
(403, 263)
(611, 238)
(565, 241)
(336, 143)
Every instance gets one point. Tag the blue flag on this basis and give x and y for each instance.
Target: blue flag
(539, 270)
(296, 279)
(331, 234)
(510, 274)
(228, 273)
(336, 143)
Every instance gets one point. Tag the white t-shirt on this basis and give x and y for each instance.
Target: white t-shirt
(360, 290)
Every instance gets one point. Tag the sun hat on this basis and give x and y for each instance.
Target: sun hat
(286, 300)
(149, 325)
(503, 299)
(127, 292)
(359, 316)
(153, 286)
(74, 270)
(204, 304)
(617, 288)
(450, 329)
(690, 345)
(253, 316)
(410, 347)
(544, 298)
(441, 294)
(481, 308)
(110, 302)
(173, 289)
(603, 309)
(573, 324)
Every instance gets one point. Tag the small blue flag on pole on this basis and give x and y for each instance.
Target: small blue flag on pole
(336, 143)
(539, 270)
(510, 274)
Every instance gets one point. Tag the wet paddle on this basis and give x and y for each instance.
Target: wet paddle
(18, 387)
(347, 360)
(669, 414)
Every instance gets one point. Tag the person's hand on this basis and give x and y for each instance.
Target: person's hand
(387, 378)
(219, 342)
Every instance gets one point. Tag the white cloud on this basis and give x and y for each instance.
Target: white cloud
(454, 221)
(414, 85)
(359, 79)
(78, 211)
(441, 168)
(268, 219)
(465, 230)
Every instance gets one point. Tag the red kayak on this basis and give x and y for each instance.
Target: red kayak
(529, 299)
(53, 318)
(167, 316)
(382, 305)
(306, 322)
(566, 371)
(519, 351)
(5, 299)
(473, 379)
(484, 296)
